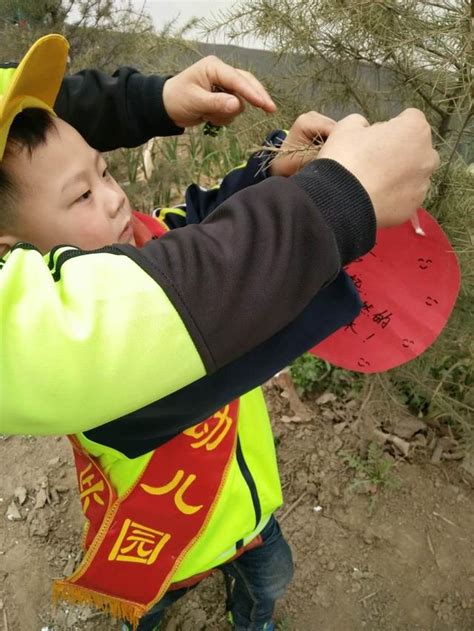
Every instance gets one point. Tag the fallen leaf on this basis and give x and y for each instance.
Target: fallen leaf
(326, 397)
(299, 409)
(69, 567)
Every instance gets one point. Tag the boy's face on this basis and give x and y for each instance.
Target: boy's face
(66, 195)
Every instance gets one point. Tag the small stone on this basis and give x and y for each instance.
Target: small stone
(72, 619)
(199, 618)
(39, 526)
(336, 444)
(54, 496)
(43, 482)
(326, 397)
(52, 462)
(21, 494)
(13, 514)
(88, 612)
(328, 415)
(331, 566)
(60, 618)
(41, 498)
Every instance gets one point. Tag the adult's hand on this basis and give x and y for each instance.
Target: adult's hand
(393, 161)
(189, 99)
(298, 148)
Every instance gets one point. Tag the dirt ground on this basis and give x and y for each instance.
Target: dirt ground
(388, 546)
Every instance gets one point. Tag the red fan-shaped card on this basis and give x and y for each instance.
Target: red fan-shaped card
(409, 283)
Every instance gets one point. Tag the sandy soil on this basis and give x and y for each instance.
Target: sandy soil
(388, 547)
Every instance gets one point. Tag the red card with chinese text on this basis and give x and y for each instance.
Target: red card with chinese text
(409, 284)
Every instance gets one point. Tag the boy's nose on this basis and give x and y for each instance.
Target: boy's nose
(115, 201)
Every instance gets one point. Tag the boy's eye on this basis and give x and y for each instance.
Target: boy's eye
(106, 172)
(85, 196)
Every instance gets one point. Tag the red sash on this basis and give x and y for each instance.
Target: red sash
(136, 543)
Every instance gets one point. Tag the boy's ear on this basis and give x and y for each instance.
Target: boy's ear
(7, 241)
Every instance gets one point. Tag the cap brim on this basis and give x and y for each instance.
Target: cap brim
(36, 81)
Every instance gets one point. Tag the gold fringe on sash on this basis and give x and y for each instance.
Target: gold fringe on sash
(117, 608)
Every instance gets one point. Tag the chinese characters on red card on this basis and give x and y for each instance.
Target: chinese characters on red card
(408, 284)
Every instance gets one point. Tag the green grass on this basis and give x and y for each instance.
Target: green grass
(310, 373)
(373, 475)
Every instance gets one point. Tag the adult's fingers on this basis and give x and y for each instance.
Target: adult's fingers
(352, 121)
(413, 113)
(219, 108)
(313, 126)
(241, 83)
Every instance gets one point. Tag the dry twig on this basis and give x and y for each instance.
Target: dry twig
(293, 506)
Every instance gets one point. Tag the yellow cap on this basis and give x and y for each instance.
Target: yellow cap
(34, 83)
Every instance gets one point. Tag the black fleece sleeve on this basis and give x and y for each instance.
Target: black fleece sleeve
(122, 110)
(343, 203)
(259, 258)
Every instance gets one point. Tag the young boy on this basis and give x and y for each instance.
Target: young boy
(196, 487)
(57, 191)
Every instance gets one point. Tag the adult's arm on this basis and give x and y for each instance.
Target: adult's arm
(142, 430)
(89, 336)
(128, 108)
(122, 110)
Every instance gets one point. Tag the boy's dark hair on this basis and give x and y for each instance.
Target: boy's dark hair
(28, 131)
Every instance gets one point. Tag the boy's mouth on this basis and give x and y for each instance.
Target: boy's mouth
(127, 233)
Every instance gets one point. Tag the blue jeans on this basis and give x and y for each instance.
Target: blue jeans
(259, 577)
